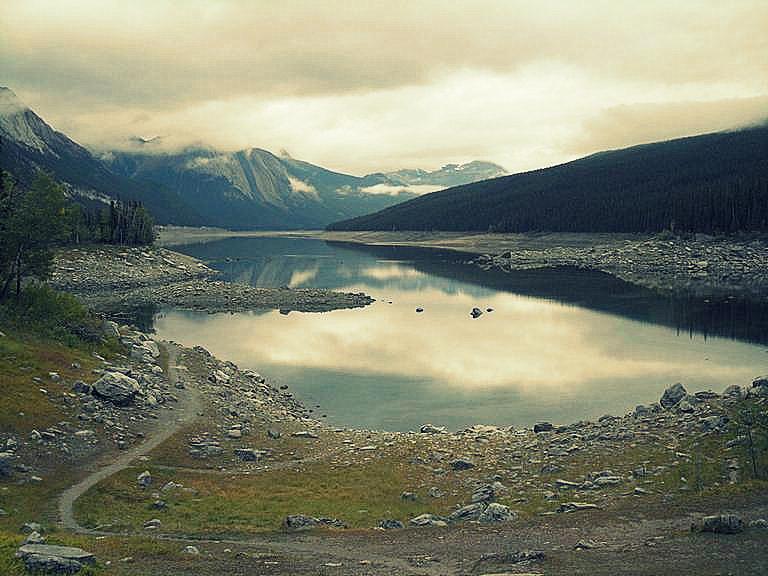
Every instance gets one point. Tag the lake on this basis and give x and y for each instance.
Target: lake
(559, 344)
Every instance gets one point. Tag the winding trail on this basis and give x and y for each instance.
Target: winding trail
(166, 426)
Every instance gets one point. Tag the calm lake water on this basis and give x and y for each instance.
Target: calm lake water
(560, 344)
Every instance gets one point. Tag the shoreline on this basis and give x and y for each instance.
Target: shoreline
(696, 264)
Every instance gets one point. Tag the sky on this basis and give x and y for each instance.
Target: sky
(362, 86)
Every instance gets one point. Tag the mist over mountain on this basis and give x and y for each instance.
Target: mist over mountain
(711, 183)
(247, 189)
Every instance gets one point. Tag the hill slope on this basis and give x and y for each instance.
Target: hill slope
(714, 182)
(28, 144)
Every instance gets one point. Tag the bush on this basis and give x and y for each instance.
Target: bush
(42, 311)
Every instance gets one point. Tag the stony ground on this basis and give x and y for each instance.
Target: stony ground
(247, 479)
(115, 279)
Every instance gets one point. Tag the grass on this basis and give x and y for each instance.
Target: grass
(360, 495)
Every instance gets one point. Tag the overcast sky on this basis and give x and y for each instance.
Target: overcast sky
(360, 86)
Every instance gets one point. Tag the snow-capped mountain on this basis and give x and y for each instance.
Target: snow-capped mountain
(248, 189)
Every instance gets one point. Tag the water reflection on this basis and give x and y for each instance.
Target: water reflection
(559, 344)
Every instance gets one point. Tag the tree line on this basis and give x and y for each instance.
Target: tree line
(36, 220)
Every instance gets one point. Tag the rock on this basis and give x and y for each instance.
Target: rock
(484, 494)
(584, 545)
(159, 505)
(305, 434)
(30, 527)
(760, 523)
(673, 395)
(435, 492)
(685, 407)
(760, 382)
(419, 310)
(428, 520)
(391, 524)
(191, 550)
(153, 524)
(542, 427)
(462, 464)
(496, 512)
(274, 434)
(81, 387)
(468, 512)
(35, 538)
(734, 391)
(430, 429)
(110, 329)
(116, 388)
(248, 454)
(720, 524)
(234, 433)
(476, 313)
(297, 522)
(604, 481)
(6, 464)
(144, 479)
(567, 507)
(566, 484)
(48, 559)
(410, 496)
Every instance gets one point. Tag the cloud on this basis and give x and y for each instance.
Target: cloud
(376, 86)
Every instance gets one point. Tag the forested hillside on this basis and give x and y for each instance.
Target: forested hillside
(711, 183)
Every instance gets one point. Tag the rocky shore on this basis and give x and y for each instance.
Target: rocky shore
(697, 264)
(118, 278)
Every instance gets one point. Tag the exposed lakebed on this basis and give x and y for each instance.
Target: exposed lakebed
(559, 344)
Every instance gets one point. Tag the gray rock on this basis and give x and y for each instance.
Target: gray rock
(297, 522)
(542, 427)
(116, 388)
(468, 512)
(734, 391)
(6, 464)
(760, 523)
(430, 429)
(30, 527)
(476, 313)
(673, 395)
(567, 507)
(110, 329)
(761, 381)
(274, 434)
(48, 559)
(191, 550)
(144, 479)
(305, 434)
(391, 524)
(462, 464)
(496, 512)
(35, 538)
(428, 520)
(720, 524)
(410, 496)
(604, 481)
(484, 494)
(248, 454)
(81, 387)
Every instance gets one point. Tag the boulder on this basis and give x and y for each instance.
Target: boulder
(117, 388)
(496, 512)
(81, 387)
(673, 395)
(248, 454)
(462, 464)
(144, 479)
(476, 313)
(391, 524)
(428, 520)
(48, 559)
(110, 329)
(542, 427)
(484, 494)
(297, 522)
(567, 507)
(6, 464)
(720, 524)
(430, 429)
(468, 512)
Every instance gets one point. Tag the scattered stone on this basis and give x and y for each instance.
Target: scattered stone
(468, 512)
(430, 429)
(34, 538)
(191, 550)
(30, 527)
(584, 545)
(274, 434)
(6, 464)
(410, 496)
(476, 313)
(305, 434)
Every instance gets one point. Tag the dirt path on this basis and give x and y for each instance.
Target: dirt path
(166, 426)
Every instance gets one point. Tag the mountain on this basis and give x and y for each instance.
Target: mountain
(256, 189)
(28, 144)
(247, 189)
(711, 183)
